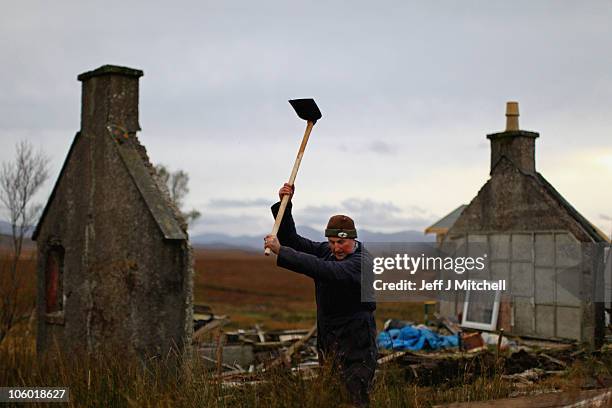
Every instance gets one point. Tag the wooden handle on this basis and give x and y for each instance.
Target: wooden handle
(277, 221)
(296, 166)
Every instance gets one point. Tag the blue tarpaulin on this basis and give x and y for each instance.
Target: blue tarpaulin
(413, 338)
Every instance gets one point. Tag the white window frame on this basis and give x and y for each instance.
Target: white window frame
(492, 325)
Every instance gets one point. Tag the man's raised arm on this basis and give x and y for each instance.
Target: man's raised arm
(287, 234)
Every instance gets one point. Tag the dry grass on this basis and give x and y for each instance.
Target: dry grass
(115, 381)
(251, 290)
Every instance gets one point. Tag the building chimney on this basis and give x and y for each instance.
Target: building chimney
(109, 97)
(516, 145)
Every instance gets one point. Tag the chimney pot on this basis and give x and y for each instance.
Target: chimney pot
(512, 116)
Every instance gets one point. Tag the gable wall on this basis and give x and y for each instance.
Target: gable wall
(125, 286)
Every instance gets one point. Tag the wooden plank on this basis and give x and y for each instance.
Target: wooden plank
(289, 337)
(219, 353)
(260, 334)
(298, 344)
(212, 360)
(391, 357)
(199, 334)
(554, 360)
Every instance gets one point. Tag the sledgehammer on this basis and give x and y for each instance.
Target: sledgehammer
(308, 110)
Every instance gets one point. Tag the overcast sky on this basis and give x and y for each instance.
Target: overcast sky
(408, 92)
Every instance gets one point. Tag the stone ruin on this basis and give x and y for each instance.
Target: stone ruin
(115, 267)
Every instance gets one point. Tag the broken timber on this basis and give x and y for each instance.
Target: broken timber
(218, 322)
(285, 358)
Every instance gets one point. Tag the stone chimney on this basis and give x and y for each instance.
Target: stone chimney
(516, 145)
(109, 97)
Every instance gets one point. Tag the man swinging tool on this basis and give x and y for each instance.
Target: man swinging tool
(346, 329)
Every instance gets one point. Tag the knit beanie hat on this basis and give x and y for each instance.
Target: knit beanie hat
(341, 226)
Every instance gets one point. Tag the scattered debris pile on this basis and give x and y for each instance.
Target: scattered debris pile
(441, 352)
(523, 362)
(243, 352)
(526, 363)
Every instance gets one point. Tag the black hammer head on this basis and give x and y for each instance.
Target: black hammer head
(306, 109)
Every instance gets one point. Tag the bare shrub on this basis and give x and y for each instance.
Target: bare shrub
(20, 180)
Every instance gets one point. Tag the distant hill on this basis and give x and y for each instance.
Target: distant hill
(6, 240)
(216, 240)
(5, 228)
(255, 242)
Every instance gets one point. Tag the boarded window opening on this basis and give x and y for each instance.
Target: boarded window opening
(54, 279)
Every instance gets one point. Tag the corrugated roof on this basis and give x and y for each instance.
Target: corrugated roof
(444, 224)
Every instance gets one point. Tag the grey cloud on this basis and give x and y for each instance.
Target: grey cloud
(215, 219)
(360, 76)
(314, 216)
(233, 203)
(370, 214)
(241, 224)
(381, 147)
(368, 205)
(320, 209)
